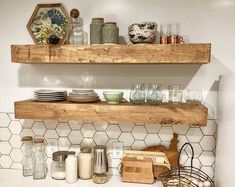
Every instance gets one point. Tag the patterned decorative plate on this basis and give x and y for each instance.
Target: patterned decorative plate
(48, 20)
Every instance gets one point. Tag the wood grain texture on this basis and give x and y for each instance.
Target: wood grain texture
(144, 53)
(101, 111)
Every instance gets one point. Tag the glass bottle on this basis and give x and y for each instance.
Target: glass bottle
(76, 28)
(154, 95)
(27, 161)
(39, 165)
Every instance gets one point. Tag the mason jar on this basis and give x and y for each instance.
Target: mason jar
(110, 33)
(96, 27)
(175, 94)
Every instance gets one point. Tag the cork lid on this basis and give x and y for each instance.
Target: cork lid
(74, 13)
(38, 140)
(27, 138)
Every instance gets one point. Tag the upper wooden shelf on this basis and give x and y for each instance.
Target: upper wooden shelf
(143, 54)
(101, 111)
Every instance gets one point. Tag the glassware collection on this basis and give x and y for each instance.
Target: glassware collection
(65, 165)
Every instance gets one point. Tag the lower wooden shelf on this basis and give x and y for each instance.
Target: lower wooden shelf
(161, 114)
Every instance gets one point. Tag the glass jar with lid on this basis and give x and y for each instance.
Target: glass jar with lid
(58, 164)
(110, 33)
(85, 163)
(27, 161)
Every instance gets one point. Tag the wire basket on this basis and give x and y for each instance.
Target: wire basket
(186, 176)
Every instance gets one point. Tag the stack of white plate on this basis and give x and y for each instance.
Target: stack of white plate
(83, 96)
(50, 95)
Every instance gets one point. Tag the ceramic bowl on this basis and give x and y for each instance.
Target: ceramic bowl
(145, 32)
(113, 97)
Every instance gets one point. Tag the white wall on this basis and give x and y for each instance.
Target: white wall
(201, 21)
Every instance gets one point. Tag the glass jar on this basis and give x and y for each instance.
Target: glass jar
(58, 165)
(85, 163)
(137, 94)
(154, 95)
(96, 27)
(76, 28)
(39, 169)
(110, 33)
(27, 161)
(175, 94)
(193, 97)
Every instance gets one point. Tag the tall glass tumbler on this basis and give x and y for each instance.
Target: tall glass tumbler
(175, 94)
(154, 94)
(137, 94)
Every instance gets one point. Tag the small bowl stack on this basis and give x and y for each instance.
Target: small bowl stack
(83, 96)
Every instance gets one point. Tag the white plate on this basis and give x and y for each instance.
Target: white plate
(42, 91)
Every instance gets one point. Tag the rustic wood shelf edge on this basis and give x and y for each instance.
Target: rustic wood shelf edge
(162, 114)
(198, 53)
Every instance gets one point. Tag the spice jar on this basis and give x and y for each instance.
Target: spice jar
(96, 27)
(27, 161)
(85, 163)
(110, 33)
(58, 165)
(71, 169)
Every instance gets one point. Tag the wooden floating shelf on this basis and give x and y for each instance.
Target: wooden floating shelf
(101, 111)
(119, 54)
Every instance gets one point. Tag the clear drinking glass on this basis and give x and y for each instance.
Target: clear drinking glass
(137, 95)
(27, 161)
(193, 96)
(175, 94)
(155, 94)
(39, 169)
(164, 33)
(175, 37)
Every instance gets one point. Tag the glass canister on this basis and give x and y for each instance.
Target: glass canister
(27, 161)
(110, 33)
(137, 94)
(175, 94)
(85, 163)
(39, 169)
(58, 165)
(96, 27)
(100, 165)
(154, 95)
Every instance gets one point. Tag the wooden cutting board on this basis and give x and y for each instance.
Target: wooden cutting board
(137, 171)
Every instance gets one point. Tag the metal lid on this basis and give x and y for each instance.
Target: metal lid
(60, 155)
(98, 19)
(27, 138)
(74, 13)
(86, 149)
(38, 140)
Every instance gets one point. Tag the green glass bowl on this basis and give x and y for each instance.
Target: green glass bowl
(113, 97)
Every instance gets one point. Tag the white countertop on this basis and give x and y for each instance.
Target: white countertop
(14, 178)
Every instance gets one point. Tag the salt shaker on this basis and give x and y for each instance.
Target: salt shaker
(85, 163)
(27, 161)
(71, 169)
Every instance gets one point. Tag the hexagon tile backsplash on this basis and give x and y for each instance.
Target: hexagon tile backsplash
(70, 135)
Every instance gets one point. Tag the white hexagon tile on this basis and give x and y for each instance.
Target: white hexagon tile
(71, 135)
